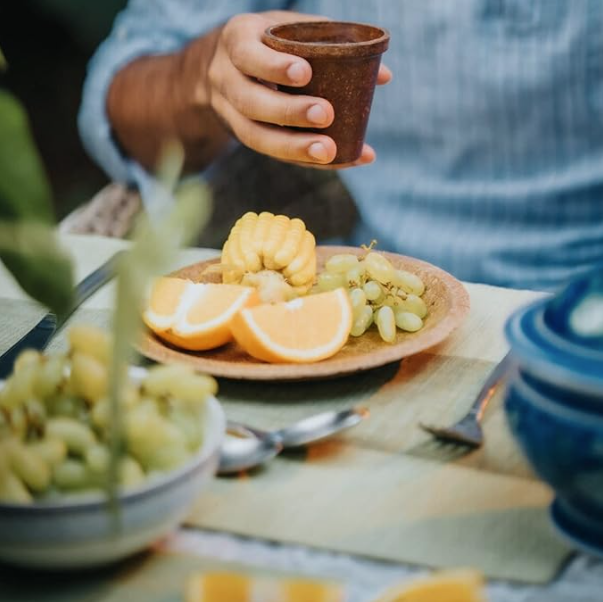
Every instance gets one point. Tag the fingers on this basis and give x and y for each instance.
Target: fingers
(262, 103)
(367, 157)
(275, 141)
(243, 41)
(384, 76)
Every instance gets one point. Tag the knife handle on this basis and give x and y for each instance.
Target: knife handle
(91, 283)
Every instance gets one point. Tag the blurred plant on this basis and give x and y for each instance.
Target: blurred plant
(30, 250)
(153, 251)
(28, 245)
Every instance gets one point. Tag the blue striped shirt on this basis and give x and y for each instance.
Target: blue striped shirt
(489, 140)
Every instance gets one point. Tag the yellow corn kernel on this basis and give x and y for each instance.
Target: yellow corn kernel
(306, 274)
(229, 275)
(234, 251)
(253, 263)
(306, 251)
(260, 232)
(293, 240)
(275, 239)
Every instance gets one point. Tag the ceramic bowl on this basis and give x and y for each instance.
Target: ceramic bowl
(80, 531)
(554, 406)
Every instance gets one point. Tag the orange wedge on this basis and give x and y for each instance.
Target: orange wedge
(195, 316)
(453, 585)
(306, 329)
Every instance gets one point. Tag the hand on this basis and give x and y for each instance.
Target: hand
(241, 89)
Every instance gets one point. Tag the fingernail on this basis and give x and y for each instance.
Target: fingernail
(318, 151)
(316, 114)
(296, 72)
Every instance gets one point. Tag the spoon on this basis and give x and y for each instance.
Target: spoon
(246, 447)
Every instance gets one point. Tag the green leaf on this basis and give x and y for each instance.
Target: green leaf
(24, 189)
(28, 246)
(40, 266)
(3, 63)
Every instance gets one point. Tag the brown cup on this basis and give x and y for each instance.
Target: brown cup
(345, 60)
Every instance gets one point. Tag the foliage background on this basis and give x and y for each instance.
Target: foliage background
(47, 44)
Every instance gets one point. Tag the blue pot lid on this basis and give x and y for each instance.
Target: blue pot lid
(544, 352)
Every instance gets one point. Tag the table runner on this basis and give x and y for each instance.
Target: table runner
(384, 489)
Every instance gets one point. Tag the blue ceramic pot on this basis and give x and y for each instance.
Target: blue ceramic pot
(554, 407)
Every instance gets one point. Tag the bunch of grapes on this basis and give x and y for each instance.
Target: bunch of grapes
(380, 293)
(55, 421)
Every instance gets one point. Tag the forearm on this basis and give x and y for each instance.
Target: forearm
(156, 99)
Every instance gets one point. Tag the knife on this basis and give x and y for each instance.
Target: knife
(41, 334)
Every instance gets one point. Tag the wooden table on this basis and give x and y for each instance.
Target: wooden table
(580, 581)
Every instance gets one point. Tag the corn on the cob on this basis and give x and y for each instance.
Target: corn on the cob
(270, 242)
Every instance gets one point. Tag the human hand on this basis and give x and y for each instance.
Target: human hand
(241, 89)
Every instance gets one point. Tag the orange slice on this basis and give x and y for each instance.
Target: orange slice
(195, 316)
(306, 329)
(454, 585)
(241, 587)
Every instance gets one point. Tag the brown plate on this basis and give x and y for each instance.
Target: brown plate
(446, 299)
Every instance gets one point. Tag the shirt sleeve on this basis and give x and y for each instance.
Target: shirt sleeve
(144, 27)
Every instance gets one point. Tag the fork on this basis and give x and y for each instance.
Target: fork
(468, 430)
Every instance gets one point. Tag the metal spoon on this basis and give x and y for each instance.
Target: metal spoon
(246, 447)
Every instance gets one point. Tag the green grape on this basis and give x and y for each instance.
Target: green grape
(386, 323)
(189, 424)
(130, 473)
(408, 282)
(167, 457)
(408, 321)
(27, 358)
(160, 379)
(77, 436)
(52, 451)
(101, 413)
(12, 489)
(147, 431)
(65, 405)
(130, 396)
(71, 474)
(362, 321)
(373, 290)
(27, 465)
(19, 386)
(35, 411)
(379, 267)
(328, 281)
(89, 377)
(391, 300)
(355, 277)
(50, 375)
(90, 341)
(18, 421)
(8, 399)
(415, 305)
(341, 263)
(194, 388)
(358, 299)
(97, 459)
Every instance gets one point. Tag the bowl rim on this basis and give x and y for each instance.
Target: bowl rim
(520, 386)
(158, 483)
(547, 360)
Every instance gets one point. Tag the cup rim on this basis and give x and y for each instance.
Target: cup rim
(367, 48)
